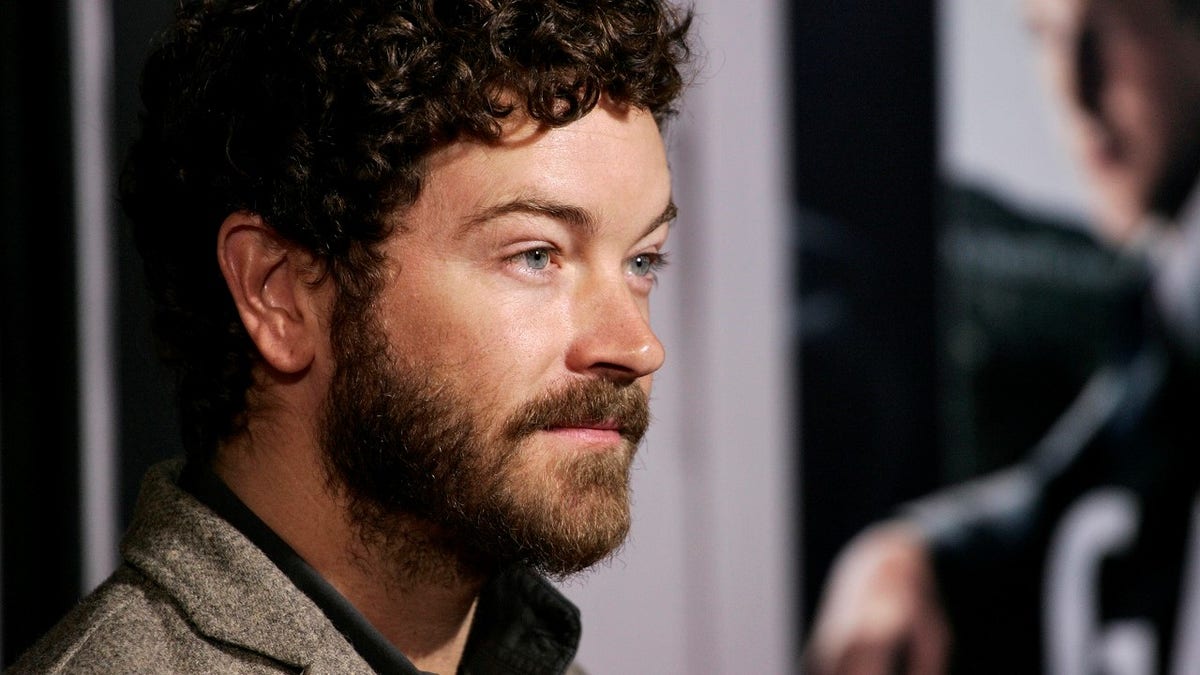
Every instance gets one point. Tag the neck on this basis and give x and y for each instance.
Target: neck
(396, 571)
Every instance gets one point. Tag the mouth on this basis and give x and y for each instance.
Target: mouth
(594, 413)
(1103, 151)
(604, 432)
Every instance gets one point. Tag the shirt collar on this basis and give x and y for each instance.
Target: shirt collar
(522, 623)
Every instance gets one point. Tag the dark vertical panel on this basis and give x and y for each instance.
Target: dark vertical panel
(148, 426)
(38, 364)
(864, 129)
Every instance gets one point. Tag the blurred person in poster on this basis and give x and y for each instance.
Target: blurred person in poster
(1085, 556)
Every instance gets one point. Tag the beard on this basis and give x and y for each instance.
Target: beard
(433, 478)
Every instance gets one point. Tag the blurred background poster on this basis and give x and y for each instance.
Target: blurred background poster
(1027, 294)
(999, 293)
(864, 147)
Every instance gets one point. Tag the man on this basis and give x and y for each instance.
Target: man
(401, 254)
(1083, 558)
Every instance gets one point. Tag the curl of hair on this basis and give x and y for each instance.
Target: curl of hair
(317, 115)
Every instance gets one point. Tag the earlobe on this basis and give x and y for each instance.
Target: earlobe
(266, 277)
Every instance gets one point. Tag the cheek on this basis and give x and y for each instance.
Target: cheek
(1148, 135)
(483, 335)
(525, 332)
(1141, 93)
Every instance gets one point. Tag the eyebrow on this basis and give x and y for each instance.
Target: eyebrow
(571, 215)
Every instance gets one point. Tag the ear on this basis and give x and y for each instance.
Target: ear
(267, 277)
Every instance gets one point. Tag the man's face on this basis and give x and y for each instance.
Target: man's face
(497, 387)
(1127, 74)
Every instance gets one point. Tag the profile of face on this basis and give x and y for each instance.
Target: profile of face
(497, 387)
(1126, 74)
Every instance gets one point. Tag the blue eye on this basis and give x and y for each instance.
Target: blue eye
(646, 264)
(536, 259)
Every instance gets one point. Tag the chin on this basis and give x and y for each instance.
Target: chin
(1121, 212)
(572, 510)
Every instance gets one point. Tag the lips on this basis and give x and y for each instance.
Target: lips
(595, 409)
(603, 432)
(586, 436)
(1102, 150)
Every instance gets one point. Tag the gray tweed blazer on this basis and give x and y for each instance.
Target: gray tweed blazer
(192, 595)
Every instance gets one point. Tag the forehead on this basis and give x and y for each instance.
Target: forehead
(612, 162)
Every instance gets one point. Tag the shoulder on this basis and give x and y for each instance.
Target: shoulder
(127, 624)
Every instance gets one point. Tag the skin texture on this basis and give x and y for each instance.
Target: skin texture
(466, 300)
(1126, 76)
(497, 288)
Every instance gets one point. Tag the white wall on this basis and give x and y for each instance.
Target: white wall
(705, 583)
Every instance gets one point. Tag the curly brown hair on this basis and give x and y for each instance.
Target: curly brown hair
(317, 115)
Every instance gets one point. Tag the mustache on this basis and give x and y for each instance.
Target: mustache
(585, 403)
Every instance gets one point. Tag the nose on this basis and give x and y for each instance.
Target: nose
(612, 336)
